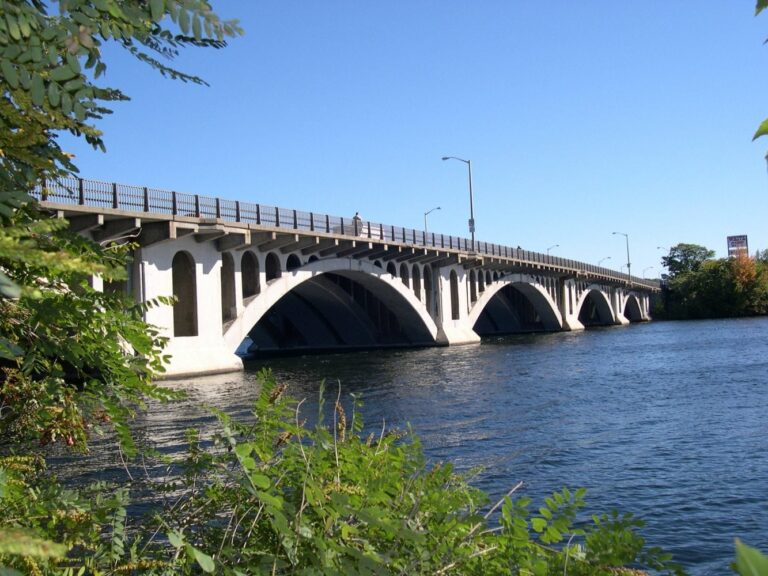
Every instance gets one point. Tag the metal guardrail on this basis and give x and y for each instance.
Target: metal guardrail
(95, 193)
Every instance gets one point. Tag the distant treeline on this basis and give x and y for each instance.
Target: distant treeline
(700, 286)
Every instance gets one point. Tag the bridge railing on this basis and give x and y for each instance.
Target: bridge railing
(95, 193)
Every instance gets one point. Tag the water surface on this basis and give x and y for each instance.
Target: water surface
(666, 420)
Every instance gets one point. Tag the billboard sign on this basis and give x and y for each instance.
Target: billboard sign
(737, 246)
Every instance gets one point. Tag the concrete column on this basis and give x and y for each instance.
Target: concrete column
(617, 304)
(450, 330)
(566, 303)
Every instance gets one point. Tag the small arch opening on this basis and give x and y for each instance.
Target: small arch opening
(272, 266)
(228, 307)
(454, 295)
(249, 270)
(392, 269)
(185, 291)
(293, 262)
(416, 282)
(472, 286)
(404, 276)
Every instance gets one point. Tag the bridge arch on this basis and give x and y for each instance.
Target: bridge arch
(184, 279)
(632, 309)
(392, 269)
(594, 307)
(539, 298)
(317, 287)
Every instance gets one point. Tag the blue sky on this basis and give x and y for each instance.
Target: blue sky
(580, 118)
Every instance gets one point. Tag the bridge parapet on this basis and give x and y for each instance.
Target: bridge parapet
(93, 196)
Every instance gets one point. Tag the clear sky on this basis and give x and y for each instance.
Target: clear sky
(580, 118)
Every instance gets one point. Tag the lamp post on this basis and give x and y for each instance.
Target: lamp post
(626, 237)
(471, 199)
(427, 214)
(553, 246)
(603, 260)
(648, 268)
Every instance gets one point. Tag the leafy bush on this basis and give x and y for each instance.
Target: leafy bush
(272, 496)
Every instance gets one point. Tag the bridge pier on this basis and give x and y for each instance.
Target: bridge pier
(194, 325)
(453, 308)
(566, 303)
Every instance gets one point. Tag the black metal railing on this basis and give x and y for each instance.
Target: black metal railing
(79, 191)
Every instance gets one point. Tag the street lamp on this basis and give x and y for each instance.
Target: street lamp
(426, 214)
(553, 246)
(471, 200)
(626, 237)
(603, 260)
(648, 268)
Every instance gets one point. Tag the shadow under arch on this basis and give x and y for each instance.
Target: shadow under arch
(594, 308)
(333, 304)
(515, 304)
(632, 310)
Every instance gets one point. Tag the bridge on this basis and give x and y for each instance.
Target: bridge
(278, 279)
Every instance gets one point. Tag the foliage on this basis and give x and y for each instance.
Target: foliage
(762, 130)
(273, 496)
(685, 258)
(51, 64)
(71, 356)
(701, 287)
(749, 561)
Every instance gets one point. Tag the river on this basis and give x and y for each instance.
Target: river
(668, 420)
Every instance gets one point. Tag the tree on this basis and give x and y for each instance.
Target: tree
(762, 130)
(63, 360)
(684, 258)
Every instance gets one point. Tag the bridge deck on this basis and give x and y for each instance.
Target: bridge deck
(72, 197)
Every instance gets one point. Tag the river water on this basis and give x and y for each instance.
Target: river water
(668, 420)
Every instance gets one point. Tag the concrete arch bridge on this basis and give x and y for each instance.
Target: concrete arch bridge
(284, 280)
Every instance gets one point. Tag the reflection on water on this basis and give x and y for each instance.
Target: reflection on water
(666, 420)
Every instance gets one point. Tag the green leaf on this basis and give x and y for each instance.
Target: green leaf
(261, 481)
(21, 543)
(54, 94)
(762, 129)
(157, 8)
(184, 20)
(8, 288)
(62, 74)
(13, 27)
(750, 561)
(538, 524)
(176, 539)
(9, 73)
(761, 5)
(38, 90)
(205, 561)
(9, 351)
